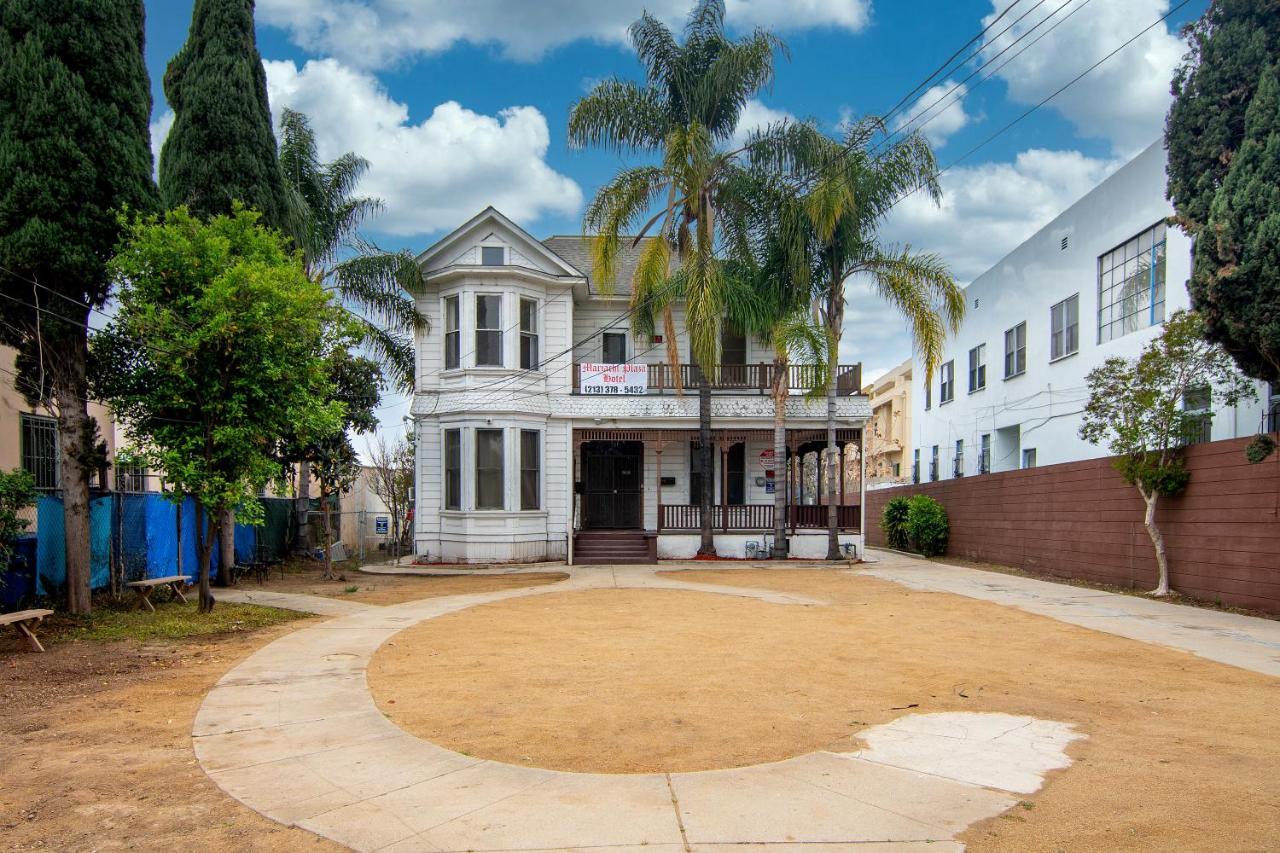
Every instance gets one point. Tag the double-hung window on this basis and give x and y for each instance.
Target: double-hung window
(453, 469)
(489, 330)
(452, 334)
(613, 348)
(530, 469)
(489, 469)
(915, 466)
(984, 454)
(1064, 328)
(528, 334)
(957, 466)
(978, 368)
(1015, 351)
(933, 465)
(1197, 407)
(1131, 285)
(947, 391)
(928, 394)
(40, 449)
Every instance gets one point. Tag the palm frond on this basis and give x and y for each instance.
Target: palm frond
(618, 114)
(920, 286)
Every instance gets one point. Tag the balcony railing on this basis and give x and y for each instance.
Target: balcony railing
(742, 378)
(755, 517)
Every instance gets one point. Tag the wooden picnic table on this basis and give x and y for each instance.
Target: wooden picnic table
(144, 588)
(24, 622)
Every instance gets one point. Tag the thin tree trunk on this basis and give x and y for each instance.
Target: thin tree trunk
(780, 388)
(328, 536)
(206, 532)
(833, 357)
(73, 431)
(227, 546)
(707, 547)
(1157, 542)
(303, 543)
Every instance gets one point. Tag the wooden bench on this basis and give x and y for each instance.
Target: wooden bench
(24, 621)
(144, 589)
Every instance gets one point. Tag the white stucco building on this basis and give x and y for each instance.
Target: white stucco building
(526, 450)
(1096, 282)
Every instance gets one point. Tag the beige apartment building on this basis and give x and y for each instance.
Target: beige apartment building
(889, 429)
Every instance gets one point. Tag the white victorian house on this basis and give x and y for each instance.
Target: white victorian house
(546, 430)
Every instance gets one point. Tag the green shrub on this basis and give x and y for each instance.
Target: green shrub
(17, 492)
(927, 526)
(894, 523)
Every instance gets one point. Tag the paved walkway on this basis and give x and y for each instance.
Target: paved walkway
(1244, 641)
(294, 734)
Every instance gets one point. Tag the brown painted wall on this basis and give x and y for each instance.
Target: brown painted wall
(1081, 520)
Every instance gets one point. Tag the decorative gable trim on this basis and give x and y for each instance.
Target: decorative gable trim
(459, 247)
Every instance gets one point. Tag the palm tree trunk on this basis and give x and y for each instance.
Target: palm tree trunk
(706, 455)
(833, 357)
(780, 388)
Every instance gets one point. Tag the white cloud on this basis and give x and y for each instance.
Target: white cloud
(938, 114)
(756, 116)
(377, 33)
(987, 211)
(160, 127)
(435, 173)
(431, 175)
(1125, 99)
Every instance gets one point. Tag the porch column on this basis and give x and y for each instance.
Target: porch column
(724, 484)
(657, 450)
(842, 447)
(797, 494)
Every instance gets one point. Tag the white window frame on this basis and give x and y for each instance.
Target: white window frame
(1018, 352)
(502, 468)
(490, 246)
(1064, 328)
(532, 336)
(626, 345)
(978, 368)
(536, 470)
(476, 330)
(444, 469)
(452, 336)
(1121, 277)
(947, 383)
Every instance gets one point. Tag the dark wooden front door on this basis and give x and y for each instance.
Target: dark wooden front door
(612, 484)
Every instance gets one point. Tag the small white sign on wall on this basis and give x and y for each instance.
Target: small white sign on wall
(613, 378)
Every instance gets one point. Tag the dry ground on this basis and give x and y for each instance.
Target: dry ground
(1182, 753)
(95, 738)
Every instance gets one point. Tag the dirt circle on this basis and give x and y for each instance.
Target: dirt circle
(624, 681)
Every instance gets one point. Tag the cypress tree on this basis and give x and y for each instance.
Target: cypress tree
(75, 102)
(221, 148)
(1237, 264)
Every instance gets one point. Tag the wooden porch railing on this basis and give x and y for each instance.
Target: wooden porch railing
(744, 378)
(752, 517)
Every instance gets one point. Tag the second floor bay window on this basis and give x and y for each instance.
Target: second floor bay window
(452, 334)
(528, 334)
(488, 330)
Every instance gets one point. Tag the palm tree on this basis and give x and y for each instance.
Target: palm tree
(854, 185)
(685, 113)
(373, 285)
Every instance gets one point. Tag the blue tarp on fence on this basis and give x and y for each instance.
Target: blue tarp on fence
(141, 531)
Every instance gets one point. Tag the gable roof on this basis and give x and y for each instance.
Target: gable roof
(485, 220)
(576, 250)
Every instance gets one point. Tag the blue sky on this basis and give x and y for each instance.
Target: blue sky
(462, 104)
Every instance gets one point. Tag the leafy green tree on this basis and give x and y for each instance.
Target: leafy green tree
(684, 114)
(1224, 165)
(1237, 259)
(221, 149)
(1137, 407)
(324, 219)
(215, 353)
(17, 492)
(75, 103)
(847, 190)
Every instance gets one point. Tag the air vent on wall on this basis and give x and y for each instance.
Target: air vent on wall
(1064, 243)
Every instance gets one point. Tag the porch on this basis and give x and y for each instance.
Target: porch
(651, 479)
(662, 378)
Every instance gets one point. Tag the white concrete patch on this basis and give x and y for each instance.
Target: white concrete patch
(293, 733)
(1002, 751)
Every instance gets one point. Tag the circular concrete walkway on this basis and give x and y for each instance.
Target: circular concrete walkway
(294, 733)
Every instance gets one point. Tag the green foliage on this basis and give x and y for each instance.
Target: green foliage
(171, 621)
(324, 220)
(1229, 47)
(221, 148)
(1259, 449)
(17, 492)
(893, 521)
(927, 526)
(215, 354)
(1136, 406)
(1236, 280)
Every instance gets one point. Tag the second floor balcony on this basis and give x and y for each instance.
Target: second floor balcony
(662, 378)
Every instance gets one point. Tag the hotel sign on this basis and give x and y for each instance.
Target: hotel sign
(613, 379)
